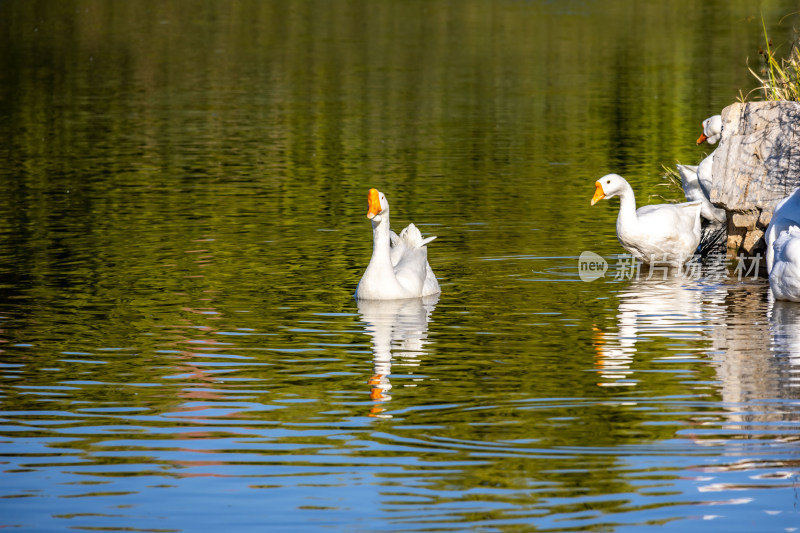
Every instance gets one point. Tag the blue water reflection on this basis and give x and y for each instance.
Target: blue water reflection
(399, 334)
(182, 188)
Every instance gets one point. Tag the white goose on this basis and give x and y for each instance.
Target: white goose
(664, 234)
(694, 193)
(786, 215)
(399, 265)
(784, 277)
(712, 132)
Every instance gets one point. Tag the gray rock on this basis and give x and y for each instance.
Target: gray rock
(756, 165)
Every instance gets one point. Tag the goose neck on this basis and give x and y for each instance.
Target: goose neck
(381, 238)
(627, 205)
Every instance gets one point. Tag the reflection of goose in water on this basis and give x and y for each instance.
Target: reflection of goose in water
(674, 308)
(395, 325)
(784, 324)
(756, 352)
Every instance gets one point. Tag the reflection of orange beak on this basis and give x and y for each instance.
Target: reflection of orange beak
(376, 392)
(597, 338)
(600, 362)
(702, 138)
(376, 411)
(598, 193)
(374, 201)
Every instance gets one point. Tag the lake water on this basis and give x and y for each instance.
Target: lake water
(183, 188)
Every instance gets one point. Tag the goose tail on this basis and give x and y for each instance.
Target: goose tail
(413, 237)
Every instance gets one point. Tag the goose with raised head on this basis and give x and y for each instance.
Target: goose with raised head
(784, 277)
(785, 216)
(399, 265)
(663, 234)
(712, 133)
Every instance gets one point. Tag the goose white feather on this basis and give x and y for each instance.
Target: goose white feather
(399, 265)
(784, 278)
(664, 234)
(705, 176)
(712, 130)
(785, 215)
(695, 193)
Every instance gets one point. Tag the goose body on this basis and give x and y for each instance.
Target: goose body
(786, 215)
(399, 265)
(704, 175)
(663, 234)
(784, 277)
(695, 192)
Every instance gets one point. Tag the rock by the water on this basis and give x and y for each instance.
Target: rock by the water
(756, 165)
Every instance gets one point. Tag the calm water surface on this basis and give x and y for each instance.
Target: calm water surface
(183, 189)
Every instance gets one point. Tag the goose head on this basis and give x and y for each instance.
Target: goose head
(378, 206)
(608, 186)
(712, 129)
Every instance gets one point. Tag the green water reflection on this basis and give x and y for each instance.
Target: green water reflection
(184, 195)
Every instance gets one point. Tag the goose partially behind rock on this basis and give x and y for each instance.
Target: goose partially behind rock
(697, 187)
(785, 216)
(694, 192)
(712, 130)
(784, 277)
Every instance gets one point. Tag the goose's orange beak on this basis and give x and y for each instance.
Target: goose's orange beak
(598, 193)
(374, 201)
(702, 138)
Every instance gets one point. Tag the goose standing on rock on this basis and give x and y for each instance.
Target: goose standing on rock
(663, 234)
(399, 265)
